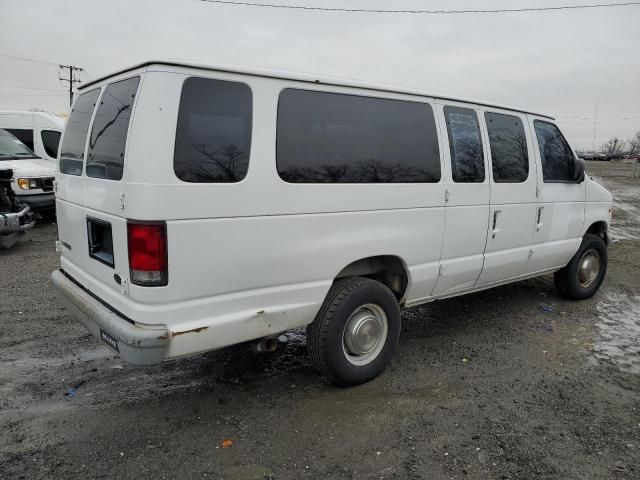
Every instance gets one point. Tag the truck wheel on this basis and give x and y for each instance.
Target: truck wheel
(584, 274)
(355, 333)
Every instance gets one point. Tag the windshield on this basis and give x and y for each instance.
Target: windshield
(12, 149)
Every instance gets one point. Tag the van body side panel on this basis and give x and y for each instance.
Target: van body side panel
(272, 273)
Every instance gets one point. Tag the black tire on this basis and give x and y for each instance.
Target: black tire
(568, 280)
(325, 336)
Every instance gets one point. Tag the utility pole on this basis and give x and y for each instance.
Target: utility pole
(72, 80)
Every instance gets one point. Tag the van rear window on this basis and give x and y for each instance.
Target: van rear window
(213, 136)
(75, 133)
(337, 138)
(105, 157)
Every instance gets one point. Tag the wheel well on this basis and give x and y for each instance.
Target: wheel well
(600, 229)
(387, 269)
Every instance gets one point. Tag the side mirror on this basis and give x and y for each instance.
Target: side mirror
(578, 170)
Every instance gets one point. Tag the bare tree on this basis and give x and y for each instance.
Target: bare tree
(634, 144)
(613, 146)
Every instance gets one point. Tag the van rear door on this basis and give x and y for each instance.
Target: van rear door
(90, 190)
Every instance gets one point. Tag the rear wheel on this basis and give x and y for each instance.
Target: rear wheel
(584, 274)
(355, 333)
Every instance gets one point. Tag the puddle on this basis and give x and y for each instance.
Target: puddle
(618, 339)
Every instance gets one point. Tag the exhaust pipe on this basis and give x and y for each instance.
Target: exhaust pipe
(267, 344)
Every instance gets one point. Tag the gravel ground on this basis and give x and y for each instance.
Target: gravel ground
(492, 385)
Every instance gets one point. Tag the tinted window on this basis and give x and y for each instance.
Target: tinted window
(465, 144)
(334, 138)
(556, 155)
(213, 137)
(25, 135)
(50, 140)
(105, 157)
(75, 133)
(508, 143)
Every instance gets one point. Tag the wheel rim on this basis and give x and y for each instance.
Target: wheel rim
(365, 334)
(588, 268)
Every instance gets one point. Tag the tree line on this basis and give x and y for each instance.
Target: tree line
(618, 146)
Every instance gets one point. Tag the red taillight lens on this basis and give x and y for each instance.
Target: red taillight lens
(148, 254)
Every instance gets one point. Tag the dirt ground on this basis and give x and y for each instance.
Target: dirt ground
(514, 382)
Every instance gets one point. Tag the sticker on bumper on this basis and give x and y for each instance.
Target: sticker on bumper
(109, 340)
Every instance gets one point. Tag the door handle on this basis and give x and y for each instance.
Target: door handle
(495, 222)
(539, 219)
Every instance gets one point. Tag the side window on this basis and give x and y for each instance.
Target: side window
(105, 156)
(75, 133)
(509, 157)
(25, 135)
(213, 136)
(50, 140)
(558, 163)
(465, 144)
(336, 138)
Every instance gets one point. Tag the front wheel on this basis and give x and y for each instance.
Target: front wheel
(355, 333)
(584, 274)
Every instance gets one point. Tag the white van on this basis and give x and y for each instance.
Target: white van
(199, 207)
(40, 131)
(33, 177)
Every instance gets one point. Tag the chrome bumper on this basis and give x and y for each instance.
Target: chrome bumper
(16, 222)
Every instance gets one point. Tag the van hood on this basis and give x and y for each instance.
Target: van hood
(31, 167)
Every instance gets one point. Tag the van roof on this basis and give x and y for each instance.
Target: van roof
(306, 77)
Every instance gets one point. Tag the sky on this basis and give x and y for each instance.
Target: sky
(562, 63)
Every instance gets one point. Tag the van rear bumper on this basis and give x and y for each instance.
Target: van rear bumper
(135, 344)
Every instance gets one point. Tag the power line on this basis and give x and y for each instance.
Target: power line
(28, 59)
(423, 12)
(32, 94)
(592, 117)
(33, 88)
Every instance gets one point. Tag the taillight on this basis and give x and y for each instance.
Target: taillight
(148, 254)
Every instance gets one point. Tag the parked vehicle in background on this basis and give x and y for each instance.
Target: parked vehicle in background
(233, 205)
(33, 177)
(40, 131)
(594, 156)
(15, 217)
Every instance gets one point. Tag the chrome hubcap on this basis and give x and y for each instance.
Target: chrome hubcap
(588, 268)
(365, 334)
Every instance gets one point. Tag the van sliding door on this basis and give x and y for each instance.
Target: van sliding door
(513, 197)
(467, 199)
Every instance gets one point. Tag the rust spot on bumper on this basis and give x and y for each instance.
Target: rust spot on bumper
(195, 330)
